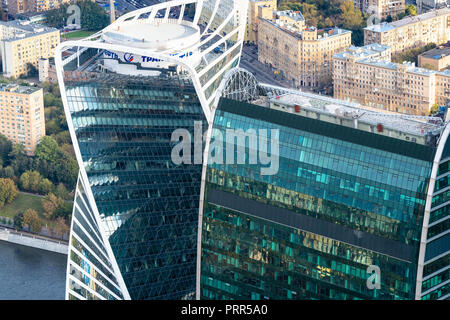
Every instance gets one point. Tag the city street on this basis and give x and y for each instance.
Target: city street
(263, 73)
(131, 5)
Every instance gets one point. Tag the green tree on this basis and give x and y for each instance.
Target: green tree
(61, 227)
(328, 23)
(45, 186)
(434, 108)
(61, 191)
(17, 151)
(410, 10)
(309, 12)
(66, 169)
(47, 149)
(94, 17)
(7, 172)
(50, 204)
(64, 210)
(8, 191)
(63, 137)
(5, 149)
(49, 100)
(18, 221)
(19, 161)
(350, 16)
(29, 181)
(31, 218)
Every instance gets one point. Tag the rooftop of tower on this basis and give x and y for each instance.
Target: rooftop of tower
(157, 34)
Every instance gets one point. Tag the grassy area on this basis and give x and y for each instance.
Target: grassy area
(23, 202)
(77, 34)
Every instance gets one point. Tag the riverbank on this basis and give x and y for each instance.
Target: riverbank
(31, 240)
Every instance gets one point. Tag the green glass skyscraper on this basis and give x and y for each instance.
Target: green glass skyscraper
(345, 216)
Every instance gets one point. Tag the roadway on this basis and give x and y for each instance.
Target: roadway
(262, 72)
(131, 5)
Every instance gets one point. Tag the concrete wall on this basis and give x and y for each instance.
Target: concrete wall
(33, 241)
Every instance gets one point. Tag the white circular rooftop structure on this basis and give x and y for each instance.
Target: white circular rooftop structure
(155, 35)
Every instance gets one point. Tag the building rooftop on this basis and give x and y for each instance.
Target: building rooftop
(415, 129)
(369, 54)
(362, 52)
(294, 15)
(158, 35)
(437, 53)
(291, 29)
(384, 26)
(18, 88)
(25, 29)
(410, 66)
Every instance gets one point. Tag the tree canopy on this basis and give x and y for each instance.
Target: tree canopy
(8, 191)
(328, 13)
(31, 218)
(93, 16)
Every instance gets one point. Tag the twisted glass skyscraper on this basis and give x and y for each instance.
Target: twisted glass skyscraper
(125, 90)
(355, 191)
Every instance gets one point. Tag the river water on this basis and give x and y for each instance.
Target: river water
(28, 273)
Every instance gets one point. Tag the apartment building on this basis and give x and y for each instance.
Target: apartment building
(366, 75)
(258, 8)
(442, 80)
(411, 32)
(22, 115)
(436, 59)
(381, 8)
(426, 5)
(23, 42)
(302, 54)
(16, 7)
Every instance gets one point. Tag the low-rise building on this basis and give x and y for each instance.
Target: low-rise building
(302, 54)
(411, 32)
(22, 115)
(381, 8)
(366, 75)
(24, 43)
(436, 59)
